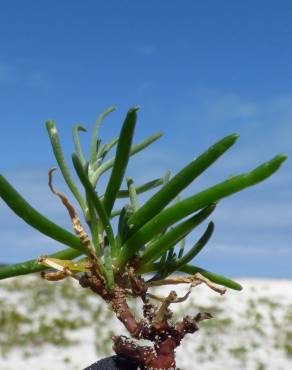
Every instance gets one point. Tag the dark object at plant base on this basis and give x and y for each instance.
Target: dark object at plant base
(114, 363)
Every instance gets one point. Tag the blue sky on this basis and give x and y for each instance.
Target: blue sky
(199, 70)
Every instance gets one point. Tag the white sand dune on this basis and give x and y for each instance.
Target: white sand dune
(45, 326)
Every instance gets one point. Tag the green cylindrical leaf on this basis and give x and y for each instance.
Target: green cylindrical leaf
(93, 225)
(135, 149)
(172, 266)
(196, 249)
(141, 188)
(132, 193)
(106, 148)
(172, 237)
(182, 247)
(94, 138)
(32, 266)
(121, 160)
(116, 213)
(108, 268)
(189, 205)
(78, 147)
(180, 181)
(35, 219)
(218, 279)
(123, 228)
(191, 270)
(54, 137)
(94, 198)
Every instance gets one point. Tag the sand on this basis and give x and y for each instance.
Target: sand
(251, 329)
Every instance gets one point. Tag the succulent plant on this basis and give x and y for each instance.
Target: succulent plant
(148, 246)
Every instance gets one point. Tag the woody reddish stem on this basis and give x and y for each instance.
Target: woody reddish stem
(154, 326)
(120, 306)
(160, 357)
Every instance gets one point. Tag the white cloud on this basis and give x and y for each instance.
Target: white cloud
(249, 250)
(224, 106)
(265, 127)
(261, 214)
(230, 107)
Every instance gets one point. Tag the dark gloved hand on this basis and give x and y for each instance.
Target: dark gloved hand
(114, 363)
